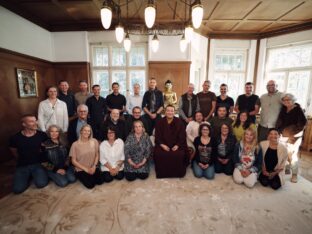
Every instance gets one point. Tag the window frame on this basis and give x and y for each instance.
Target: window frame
(126, 68)
(244, 71)
(288, 70)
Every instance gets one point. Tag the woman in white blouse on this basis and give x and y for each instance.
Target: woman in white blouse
(112, 157)
(52, 111)
(192, 131)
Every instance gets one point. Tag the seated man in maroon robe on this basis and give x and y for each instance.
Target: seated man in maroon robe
(170, 154)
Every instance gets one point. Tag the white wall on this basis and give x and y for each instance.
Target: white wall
(22, 36)
(70, 46)
(199, 55)
(108, 36)
(289, 38)
(169, 50)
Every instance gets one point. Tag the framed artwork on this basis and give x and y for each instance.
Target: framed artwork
(27, 83)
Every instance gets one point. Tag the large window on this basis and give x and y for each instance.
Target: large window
(111, 63)
(291, 67)
(230, 68)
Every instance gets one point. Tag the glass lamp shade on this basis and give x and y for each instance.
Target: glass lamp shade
(197, 15)
(106, 16)
(183, 44)
(127, 43)
(150, 15)
(155, 43)
(189, 32)
(119, 32)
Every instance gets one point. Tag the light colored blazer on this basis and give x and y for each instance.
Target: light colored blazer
(281, 156)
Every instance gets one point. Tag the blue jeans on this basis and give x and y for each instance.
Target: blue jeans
(63, 180)
(199, 172)
(23, 175)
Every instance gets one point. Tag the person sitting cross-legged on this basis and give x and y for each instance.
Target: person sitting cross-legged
(138, 150)
(26, 148)
(112, 157)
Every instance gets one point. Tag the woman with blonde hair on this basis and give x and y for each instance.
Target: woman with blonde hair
(85, 156)
(247, 159)
(56, 153)
(138, 149)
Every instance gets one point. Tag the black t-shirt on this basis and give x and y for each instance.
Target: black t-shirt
(203, 152)
(228, 102)
(29, 148)
(270, 159)
(248, 103)
(116, 101)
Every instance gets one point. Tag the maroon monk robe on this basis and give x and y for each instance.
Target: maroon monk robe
(170, 163)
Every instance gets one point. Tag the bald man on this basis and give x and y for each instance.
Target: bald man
(113, 121)
(26, 148)
(270, 104)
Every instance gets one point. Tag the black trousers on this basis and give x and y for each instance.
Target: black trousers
(131, 176)
(151, 123)
(89, 181)
(274, 183)
(107, 177)
(224, 168)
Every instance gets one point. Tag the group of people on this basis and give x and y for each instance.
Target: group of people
(94, 139)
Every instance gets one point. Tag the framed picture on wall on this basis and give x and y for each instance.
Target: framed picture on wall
(27, 83)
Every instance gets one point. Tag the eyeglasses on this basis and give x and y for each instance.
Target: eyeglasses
(205, 129)
(82, 111)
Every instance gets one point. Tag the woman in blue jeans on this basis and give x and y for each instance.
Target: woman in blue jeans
(57, 164)
(203, 161)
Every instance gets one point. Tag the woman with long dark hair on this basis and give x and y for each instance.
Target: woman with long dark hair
(223, 150)
(241, 123)
(203, 160)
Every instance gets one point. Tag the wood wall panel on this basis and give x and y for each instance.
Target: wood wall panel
(177, 72)
(13, 107)
(73, 72)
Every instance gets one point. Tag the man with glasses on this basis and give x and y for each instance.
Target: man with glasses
(76, 124)
(207, 101)
(270, 107)
(136, 115)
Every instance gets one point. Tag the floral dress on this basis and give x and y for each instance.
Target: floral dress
(137, 151)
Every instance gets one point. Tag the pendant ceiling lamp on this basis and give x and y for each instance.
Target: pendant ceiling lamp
(197, 14)
(150, 14)
(127, 43)
(189, 32)
(155, 43)
(106, 15)
(183, 43)
(119, 32)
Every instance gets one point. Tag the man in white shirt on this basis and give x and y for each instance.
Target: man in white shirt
(135, 99)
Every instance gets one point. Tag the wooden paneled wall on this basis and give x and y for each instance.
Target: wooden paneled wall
(177, 72)
(13, 107)
(73, 72)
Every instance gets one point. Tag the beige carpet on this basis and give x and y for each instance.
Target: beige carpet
(187, 205)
